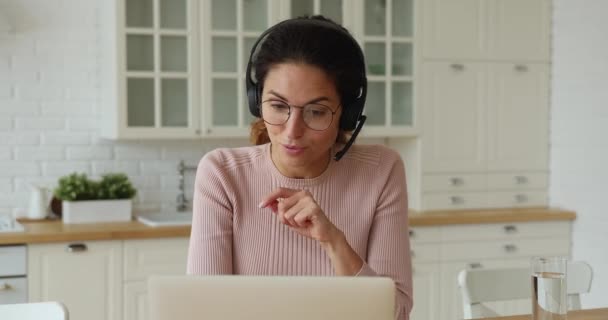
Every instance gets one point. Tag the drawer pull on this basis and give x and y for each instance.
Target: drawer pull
(457, 66)
(456, 181)
(76, 247)
(521, 198)
(412, 233)
(5, 287)
(521, 68)
(510, 229)
(510, 248)
(456, 200)
(475, 265)
(521, 179)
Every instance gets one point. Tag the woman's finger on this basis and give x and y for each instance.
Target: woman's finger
(275, 194)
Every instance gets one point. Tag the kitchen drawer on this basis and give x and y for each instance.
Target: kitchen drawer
(425, 234)
(500, 231)
(13, 261)
(454, 200)
(513, 199)
(453, 182)
(13, 290)
(144, 258)
(505, 249)
(425, 252)
(517, 181)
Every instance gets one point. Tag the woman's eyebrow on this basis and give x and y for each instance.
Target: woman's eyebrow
(315, 100)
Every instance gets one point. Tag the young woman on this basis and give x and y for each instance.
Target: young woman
(296, 203)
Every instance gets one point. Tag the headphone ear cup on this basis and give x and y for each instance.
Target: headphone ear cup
(253, 99)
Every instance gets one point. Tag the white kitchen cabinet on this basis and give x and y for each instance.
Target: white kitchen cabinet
(176, 69)
(145, 258)
(425, 281)
(85, 276)
(487, 29)
(518, 117)
(454, 117)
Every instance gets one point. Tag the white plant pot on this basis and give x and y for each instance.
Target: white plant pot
(89, 211)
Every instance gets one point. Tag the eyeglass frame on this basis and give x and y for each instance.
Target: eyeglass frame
(297, 107)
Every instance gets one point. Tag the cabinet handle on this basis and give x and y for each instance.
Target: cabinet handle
(5, 287)
(76, 247)
(521, 68)
(457, 66)
(510, 248)
(521, 198)
(456, 200)
(198, 131)
(521, 179)
(475, 265)
(412, 233)
(456, 181)
(510, 229)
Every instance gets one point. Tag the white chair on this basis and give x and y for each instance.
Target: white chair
(479, 286)
(34, 311)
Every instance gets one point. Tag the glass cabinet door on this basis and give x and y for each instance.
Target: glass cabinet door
(232, 28)
(388, 43)
(158, 66)
(331, 9)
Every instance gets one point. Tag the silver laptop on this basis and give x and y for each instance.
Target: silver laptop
(270, 298)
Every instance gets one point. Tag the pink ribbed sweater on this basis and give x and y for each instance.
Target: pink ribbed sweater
(364, 195)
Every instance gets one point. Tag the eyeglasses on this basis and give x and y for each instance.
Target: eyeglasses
(316, 116)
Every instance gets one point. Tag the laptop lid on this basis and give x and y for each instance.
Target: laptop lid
(270, 298)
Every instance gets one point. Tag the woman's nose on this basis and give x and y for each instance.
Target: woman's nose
(295, 125)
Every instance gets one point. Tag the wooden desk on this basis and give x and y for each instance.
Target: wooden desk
(591, 314)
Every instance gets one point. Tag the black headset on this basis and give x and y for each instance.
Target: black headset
(352, 117)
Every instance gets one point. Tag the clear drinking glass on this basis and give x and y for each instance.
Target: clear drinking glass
(549, 288)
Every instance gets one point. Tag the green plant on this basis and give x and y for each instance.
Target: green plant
(115, 186)
(75, 187)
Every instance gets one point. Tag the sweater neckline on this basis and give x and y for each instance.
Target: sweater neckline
(299, 181)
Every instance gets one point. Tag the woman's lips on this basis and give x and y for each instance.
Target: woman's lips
(293, 150)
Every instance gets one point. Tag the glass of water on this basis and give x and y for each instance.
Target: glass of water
(549, 288)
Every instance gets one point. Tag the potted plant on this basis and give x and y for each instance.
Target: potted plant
(85, 200)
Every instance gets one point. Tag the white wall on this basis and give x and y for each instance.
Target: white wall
(49, 108)
(579, 131)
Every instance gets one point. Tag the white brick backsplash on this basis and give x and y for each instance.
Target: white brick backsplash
(24, 184)
(135, 152)
(61, 168)
(5, 90)
(10, 107)
(14, 199)
(39, 123)
(158, 167)
(4, 65)
(83, 124)
(579, 147)
(47, 91)
(82, 93)
(6, 153)
(21, 138)
(18, 168)
(63, 108)
(65, 138)
(40, 153)
(156, 196)
(191, 153)
(145, 182)
(128, 167)
(89, 153)
(6, 123)
(6, 185)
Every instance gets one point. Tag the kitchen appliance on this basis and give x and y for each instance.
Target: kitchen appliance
(39, 203)
(13, 269)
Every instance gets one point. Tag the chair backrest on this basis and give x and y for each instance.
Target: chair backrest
(34, 311)
(503, 284)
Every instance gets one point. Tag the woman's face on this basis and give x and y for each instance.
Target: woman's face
(297, 150)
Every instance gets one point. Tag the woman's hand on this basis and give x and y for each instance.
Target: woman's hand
(299, 210)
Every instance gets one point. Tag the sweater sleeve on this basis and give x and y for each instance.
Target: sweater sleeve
(388, 247)
(210, 249)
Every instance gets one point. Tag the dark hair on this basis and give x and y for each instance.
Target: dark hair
(314, 44)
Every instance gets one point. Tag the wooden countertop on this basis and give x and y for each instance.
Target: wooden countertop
(590, 314)
(56, 231)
